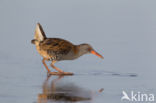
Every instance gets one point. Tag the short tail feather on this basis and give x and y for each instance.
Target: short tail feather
(39, 33)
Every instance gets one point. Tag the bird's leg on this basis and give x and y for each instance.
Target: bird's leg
(57, 69)
(60, 72)
(43, 61)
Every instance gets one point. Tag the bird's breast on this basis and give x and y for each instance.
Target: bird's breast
(70, 56)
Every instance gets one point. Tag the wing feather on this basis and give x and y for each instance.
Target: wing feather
(56, 46)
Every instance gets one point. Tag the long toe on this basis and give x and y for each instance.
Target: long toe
(55, 73)
(60, 73)
(67, 73)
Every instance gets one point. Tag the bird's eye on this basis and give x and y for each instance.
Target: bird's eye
(89, 49)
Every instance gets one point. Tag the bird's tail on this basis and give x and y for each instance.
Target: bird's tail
(39, 33)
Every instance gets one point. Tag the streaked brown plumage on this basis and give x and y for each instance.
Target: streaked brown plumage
(56, 49)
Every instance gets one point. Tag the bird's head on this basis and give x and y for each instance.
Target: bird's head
(86, 48)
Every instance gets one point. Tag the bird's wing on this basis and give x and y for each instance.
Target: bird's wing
(56, 46)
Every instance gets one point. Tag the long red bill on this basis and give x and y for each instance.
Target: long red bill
(97, 54)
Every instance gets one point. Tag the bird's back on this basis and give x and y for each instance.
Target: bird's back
(54, 48)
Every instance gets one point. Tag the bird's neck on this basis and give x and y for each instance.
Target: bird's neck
(81, 50)
(75, 53)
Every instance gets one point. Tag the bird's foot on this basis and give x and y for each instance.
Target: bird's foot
(67, 73)
(60, 73)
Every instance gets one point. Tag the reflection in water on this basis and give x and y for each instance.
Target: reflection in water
(57, 92)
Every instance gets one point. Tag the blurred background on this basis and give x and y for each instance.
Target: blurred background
(121, 30)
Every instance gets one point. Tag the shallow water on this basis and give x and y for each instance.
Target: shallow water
(121, 30)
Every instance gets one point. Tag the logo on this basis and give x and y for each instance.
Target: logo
(137, 96)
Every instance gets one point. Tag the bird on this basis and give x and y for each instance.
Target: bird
(57, 49)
